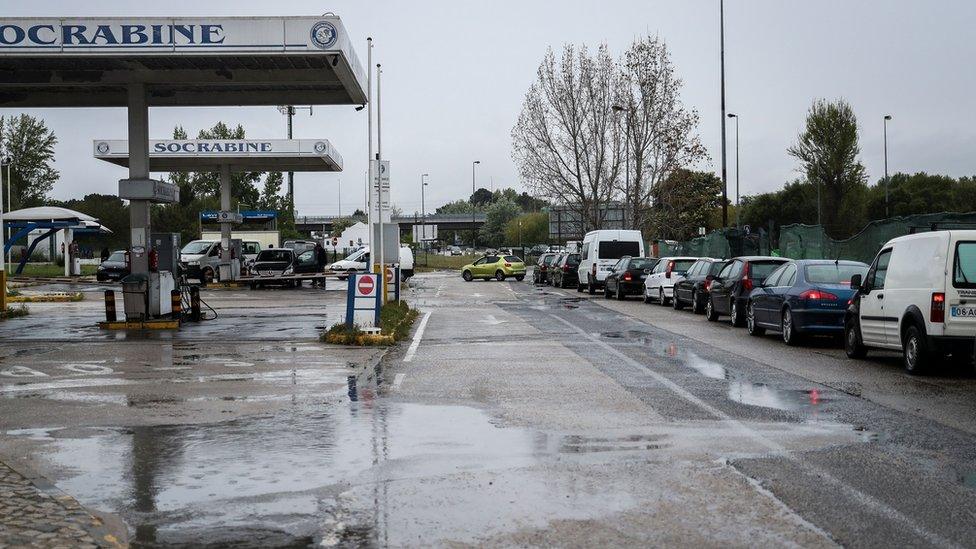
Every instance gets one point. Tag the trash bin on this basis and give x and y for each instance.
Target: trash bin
(135, 296)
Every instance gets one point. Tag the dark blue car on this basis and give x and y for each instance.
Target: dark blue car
(805, 296)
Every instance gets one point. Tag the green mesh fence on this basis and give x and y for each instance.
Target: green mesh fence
(809, 241)
(722, 243)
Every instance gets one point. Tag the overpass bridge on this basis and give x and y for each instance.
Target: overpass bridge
(445, 222)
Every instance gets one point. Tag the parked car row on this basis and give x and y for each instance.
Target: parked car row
(918, 296)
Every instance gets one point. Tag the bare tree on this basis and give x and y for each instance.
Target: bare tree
(660, 131)
(566, 142)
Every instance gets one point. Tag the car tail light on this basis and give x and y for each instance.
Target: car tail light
(627, 276)
(565, 268)
(818, 295)
(667, 272)
(746, 281)
(937, 313)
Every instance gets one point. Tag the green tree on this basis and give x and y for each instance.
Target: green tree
(682, 203)
(828, 149)
(528, 229)
(496, 217)
(183, 180)
(458, 207)
(271, 197)
(242, 184)
(481, 197)
(29, 145)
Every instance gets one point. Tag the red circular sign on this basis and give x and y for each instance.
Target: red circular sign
(365, 285)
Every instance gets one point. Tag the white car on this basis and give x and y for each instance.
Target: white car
(600, 252)
(358, 262)
(919, 297)
(659, 284)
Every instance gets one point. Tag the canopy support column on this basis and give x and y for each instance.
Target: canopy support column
(225, 224)
(139, 219)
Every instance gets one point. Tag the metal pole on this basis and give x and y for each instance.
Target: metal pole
(291, 175)
(339, 196)
(736, 117)
(423, 211)
(369, 139)
(10, 203)
(225, 227)
(725, 183)
(887, 181)
(379, 176)
(3, 266)
(474, 237)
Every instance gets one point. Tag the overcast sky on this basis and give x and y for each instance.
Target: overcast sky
(455, 73)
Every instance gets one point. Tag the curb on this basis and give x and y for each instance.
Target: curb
(109, 531)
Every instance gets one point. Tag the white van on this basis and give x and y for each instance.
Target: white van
(358, 262)
(600, 252)
(919, 297)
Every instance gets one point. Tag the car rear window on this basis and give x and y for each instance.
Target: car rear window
(513, 259)
(833, 274)
(573, 260)
(615, 249)
(759, 270)
(548, 259)
(964, 265)
(715, 267)
(117, 256)
(275, 255)
(682, 265)
(642, 263)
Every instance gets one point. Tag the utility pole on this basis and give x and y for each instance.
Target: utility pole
(725, 182)
(289, 111)
(887, 181)
(423, 210)
(369, 138)
(736, 117)
(473, 229)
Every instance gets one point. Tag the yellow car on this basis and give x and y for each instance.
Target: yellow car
(498, 267)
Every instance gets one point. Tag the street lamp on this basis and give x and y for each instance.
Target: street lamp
(289, 111)
(423, 211)
(473, 232)
(628, 110)
(887, 117)
(736, 117)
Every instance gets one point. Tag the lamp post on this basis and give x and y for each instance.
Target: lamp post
(423, 211)
(289, 111)
(473, 230)
(629, 111)
(725, 183)
(887, 117)
(736, 117)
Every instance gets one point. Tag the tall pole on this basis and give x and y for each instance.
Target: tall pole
(474, 238)
(725, 183)
(736, 117)
(339, 196)
(887, 181)
(10, 203)
(369, 138)
(379, 176)
(3, 266)
(291, 175)
(423, 210)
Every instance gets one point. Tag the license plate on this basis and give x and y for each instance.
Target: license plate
(962, 312)
(643, 277)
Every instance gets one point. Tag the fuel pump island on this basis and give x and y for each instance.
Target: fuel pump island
(143, 62)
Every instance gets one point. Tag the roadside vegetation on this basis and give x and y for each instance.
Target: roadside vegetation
(438, 261)
(45, 270)
(14, 312)
(395, 322)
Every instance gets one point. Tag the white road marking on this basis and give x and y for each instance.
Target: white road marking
(865, 500)
(397, 380)
(491, 320)
(91, 369)
(416, 338)
(21, 371)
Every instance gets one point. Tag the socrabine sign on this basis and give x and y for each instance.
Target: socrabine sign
(223, 150)
(112, 35)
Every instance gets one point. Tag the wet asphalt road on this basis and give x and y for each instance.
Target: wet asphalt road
(518, 416)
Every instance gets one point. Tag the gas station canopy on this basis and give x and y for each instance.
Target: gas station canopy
(200, 155)
(211, 61)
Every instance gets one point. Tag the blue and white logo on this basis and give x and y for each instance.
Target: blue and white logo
(324, 34)
(319, 147)
(102, 147)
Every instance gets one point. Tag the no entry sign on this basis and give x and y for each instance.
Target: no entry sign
(365, 287)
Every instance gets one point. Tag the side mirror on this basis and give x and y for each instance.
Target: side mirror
(856, 282)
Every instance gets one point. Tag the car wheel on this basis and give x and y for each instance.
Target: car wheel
(918, 357)
(520, 278)
(790, 335)
(466, 275)
(620, 293)
(710, 313)
(661, 300)
(606, 291)
(696, 304)
(580, 288)
(499, 275)
(852, 341)
(253, 286)
(751, 326)
(590, 288)
(735, 313)
(675, 302)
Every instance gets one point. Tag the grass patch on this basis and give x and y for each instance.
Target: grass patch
(63, 297)
(47, 270)
(14, 312)
(437, 262)
(395, 322)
